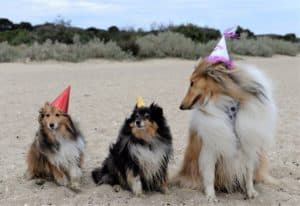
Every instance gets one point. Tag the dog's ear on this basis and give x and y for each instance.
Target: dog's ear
(70, 125)
(217, 71)
(41, 114)
(156, 110)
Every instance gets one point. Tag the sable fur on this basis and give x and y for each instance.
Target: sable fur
(227, 155)
(56, 152)
(138, 161)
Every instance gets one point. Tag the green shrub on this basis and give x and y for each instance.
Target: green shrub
(280, 46)
(163, 44)
(250, 47)
(167, 44)
(8, 53)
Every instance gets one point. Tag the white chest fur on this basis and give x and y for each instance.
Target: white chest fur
(215, 128)
(68, 153)
(150, 160)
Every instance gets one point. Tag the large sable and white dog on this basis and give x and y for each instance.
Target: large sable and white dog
(232, 125)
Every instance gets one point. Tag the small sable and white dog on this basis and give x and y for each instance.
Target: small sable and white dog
(232, 126)
(57, 150)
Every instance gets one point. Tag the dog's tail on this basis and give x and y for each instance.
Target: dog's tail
(189, 175)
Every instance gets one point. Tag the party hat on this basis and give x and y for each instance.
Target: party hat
(140, 102)
(62, 101)
(220, 52)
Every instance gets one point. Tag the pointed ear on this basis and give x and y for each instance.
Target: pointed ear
(156, 110)
(198, 61)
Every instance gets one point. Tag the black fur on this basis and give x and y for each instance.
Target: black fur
(120, 160)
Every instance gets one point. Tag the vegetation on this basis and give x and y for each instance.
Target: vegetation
(60, 41)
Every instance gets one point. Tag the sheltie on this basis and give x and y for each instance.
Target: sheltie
(232, 126)
(57, 150)
(138, 161)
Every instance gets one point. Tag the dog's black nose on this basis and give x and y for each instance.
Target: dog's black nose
(181, 107)
(138, 123)
(51, 125)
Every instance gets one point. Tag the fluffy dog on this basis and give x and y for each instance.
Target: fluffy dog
(138, 161)
(233, 124)
(57, 150)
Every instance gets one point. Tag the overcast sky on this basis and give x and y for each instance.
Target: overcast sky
(260, 16)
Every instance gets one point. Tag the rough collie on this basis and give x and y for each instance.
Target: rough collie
(232, 126)
(138, 161)
(57, 150)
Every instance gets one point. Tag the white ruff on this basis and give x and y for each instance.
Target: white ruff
(255, 127)
(150, 160)
(69, 152)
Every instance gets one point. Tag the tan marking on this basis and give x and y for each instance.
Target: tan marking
(147, 132)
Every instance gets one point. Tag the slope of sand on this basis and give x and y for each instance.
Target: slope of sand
(103, 93)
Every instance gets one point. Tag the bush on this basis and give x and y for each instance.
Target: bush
(167, 44)
(8, 53)
(263, 46)
(196, 33)
(250, 47)
(164, 44)
(280, 46)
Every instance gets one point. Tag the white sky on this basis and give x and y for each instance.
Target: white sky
(276, 16)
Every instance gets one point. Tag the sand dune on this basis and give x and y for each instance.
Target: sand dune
(103, 93)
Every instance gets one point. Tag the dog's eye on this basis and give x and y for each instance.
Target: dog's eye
(42, 115)
(57, 115)
(192, 83)
(146, 115)
(47, 115)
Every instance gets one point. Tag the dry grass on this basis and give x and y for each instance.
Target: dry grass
(164, 44)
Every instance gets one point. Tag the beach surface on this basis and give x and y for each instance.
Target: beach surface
(103, 94)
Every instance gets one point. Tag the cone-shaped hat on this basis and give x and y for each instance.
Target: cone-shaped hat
(62, 101)
(220, 53)
(140, 102)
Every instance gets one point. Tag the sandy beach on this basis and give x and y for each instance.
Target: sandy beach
(103, 94)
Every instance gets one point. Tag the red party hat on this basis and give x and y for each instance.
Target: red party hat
(62, 101)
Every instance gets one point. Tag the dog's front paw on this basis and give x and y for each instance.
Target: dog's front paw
(252, 193)
(62, 181)
(39, 181)
(75, 186)
(212, 198)
(165, 190)
(117, 188)
(137, 192)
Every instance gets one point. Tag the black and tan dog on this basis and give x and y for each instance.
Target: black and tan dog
(138, 161)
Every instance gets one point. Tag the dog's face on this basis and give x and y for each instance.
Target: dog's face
(144, 122)
(207, 81)
(51, 118)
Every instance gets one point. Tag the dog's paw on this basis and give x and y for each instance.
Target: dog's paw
(165, 190)
(62, 181)
(39, 181)
(251, 193)
(75, 186)
(139, 194)
(117, 188)
(212, 198)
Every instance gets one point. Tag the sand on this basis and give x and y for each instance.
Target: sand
(103, 94)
